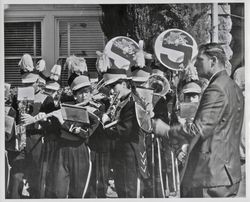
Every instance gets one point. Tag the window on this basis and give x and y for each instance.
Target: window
(81, 36)
(20, 38)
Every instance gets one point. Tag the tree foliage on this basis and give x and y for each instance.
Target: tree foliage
(147, 21)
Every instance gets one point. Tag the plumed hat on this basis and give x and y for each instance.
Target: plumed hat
(76, 65)
(55, 74)
(27, 69)
(40, 68)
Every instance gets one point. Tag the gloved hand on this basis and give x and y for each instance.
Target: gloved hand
(27, 119)
(160, 127)
(41, 116)
(183, 153)
(105, 118)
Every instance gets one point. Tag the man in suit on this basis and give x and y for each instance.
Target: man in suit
(213, 164)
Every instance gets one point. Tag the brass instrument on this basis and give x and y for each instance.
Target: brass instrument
(97, 87)
(159, 84)
(25, 101)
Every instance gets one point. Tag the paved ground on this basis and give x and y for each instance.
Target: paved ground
(241, 193)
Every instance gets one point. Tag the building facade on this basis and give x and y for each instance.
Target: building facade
(51, 32)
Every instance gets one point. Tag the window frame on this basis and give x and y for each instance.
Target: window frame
(28, 20)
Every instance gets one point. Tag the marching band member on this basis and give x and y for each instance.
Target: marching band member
(98, 143)
(40, 69)
(51, 126)
(189, 100)
(130, 154)
(162, 166)
(10, 124)
(189, 97)
(100, 147)
(72, 164)
(25, 170)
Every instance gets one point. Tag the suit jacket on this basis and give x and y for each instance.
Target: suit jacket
(214, 158)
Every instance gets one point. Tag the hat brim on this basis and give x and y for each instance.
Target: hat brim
(29, 80)
(81, 85)
(140, 79)
(41, 80)
(113, 80)
(191, 90)
(52, 87)
(158, 72)
(110, 78)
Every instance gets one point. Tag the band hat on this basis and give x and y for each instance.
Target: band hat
(55, 72)
(42, 78)
(52, 85)
(29, 77)
(80, 82)
(191, 87)
(53, 79)
(140, 74)
(113, 75)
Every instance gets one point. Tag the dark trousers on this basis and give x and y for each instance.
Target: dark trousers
(71, 171)
(100, 175)
(46, 170)
(25, 165)
(221, 191)
(125, 172)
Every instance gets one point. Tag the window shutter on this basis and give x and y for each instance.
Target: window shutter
(20, 38)
(12, 72)
(80, 37)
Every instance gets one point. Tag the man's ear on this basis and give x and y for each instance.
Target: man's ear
(124, 84)
(214, 61)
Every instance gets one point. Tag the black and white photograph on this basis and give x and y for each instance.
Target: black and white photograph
(117, 100)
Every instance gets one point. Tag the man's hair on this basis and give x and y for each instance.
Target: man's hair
(214, 49)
